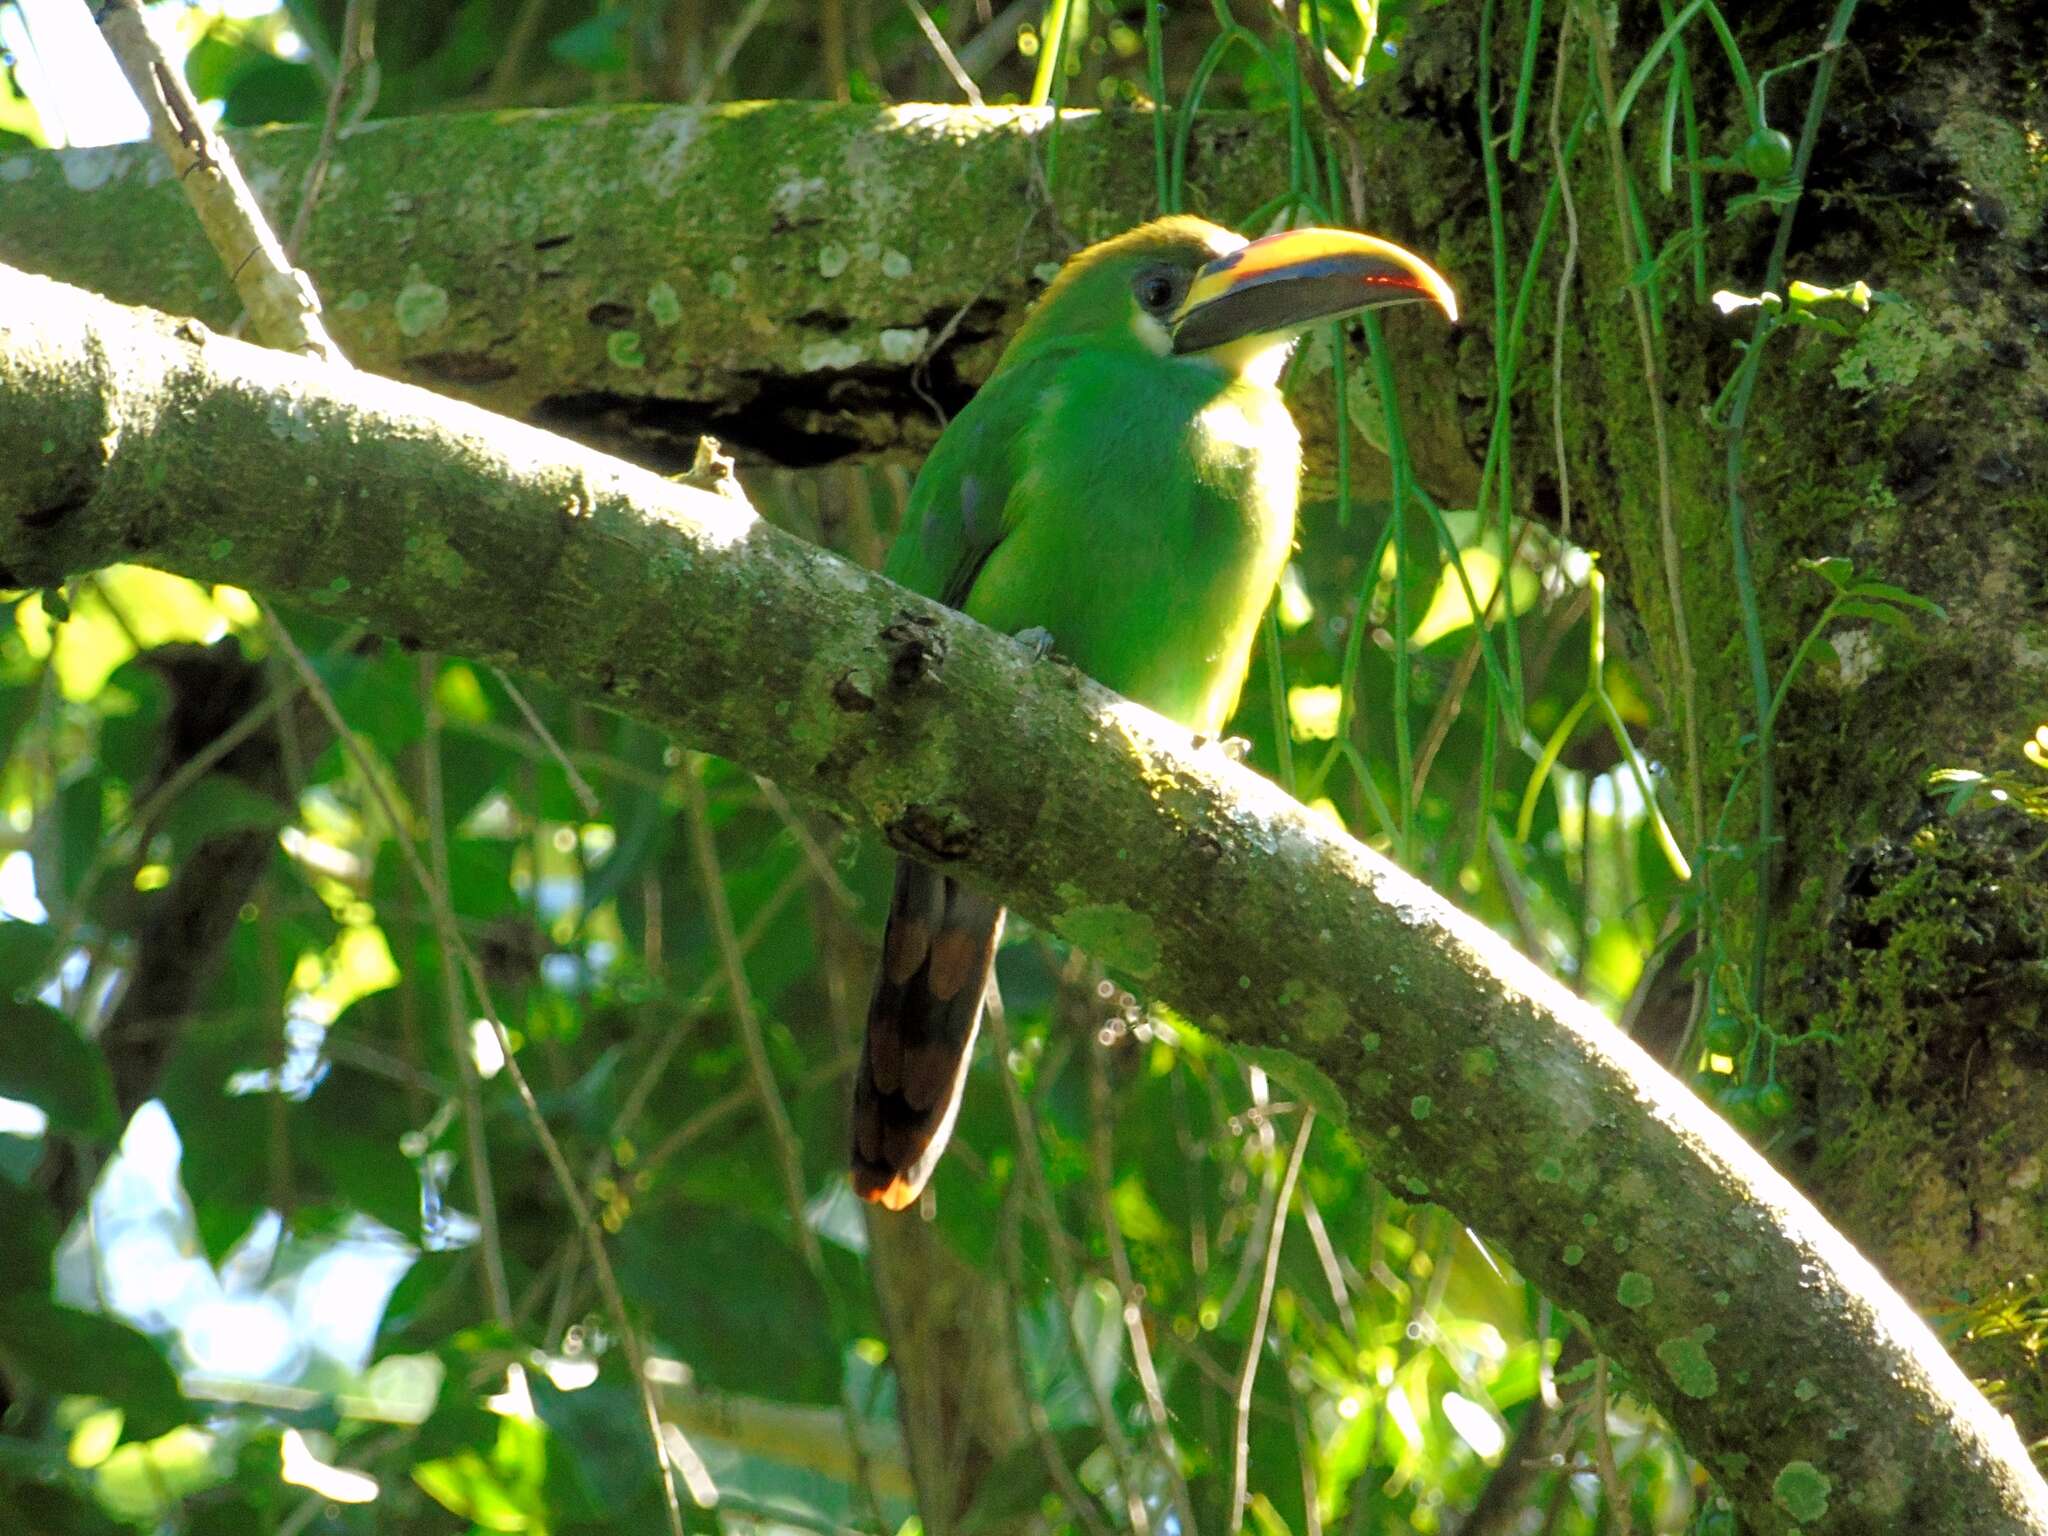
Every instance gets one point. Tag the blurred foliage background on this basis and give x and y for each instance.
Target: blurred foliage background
(315, 1270)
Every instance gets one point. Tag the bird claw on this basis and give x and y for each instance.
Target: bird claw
(1039, 641)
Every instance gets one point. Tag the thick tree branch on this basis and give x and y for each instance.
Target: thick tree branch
(1811, 1389)
(767, 272)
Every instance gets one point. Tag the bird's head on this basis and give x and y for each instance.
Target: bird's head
(1183, 287)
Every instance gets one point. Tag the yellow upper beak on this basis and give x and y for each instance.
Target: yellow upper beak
(1289, 281)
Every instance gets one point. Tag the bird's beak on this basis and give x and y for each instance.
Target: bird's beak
(1287, 282)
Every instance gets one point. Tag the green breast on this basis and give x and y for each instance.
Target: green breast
(1150, 515)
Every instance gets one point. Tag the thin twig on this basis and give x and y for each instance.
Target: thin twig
(1076, 1498)
(740, 995)
(1241, 1439)
(832, 15)
(1333, 1269)
(1130, 1295)
(1610, 1475)
(602, 764)
(1453, 701)
(593, 808)
(460, 1044)
(504, 85)
(1261, 1122)
(357, 25)
(735, 39)
(993, 42)
(1036, 1188)
(815, 856)
(719, 1111)
(1564, 280)
(781, 1133)
(1305, 1457)
(937, 39)
(677, 1030)
(673, 1451)
(699, 1004)
(286, 312)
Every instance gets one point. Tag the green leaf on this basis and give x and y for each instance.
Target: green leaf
(732, 1298)
(1835, 568)
(31, 1240)
(1302, 1079)
(1881, 613)
(214, 64)
(275, 91)
(1891, 594)
(600, 1457)
(68, 1351)
(80, 808)
(25, 953)
(51, 1065)
(349, 1131)
(41, 1494)
(501, 1491)
(217, 805)
(598, 45)
(1017, 1487)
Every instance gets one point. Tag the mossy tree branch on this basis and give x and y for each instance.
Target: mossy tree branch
(767, 272)
(1813, 1391)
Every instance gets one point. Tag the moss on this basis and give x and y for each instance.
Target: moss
(1801, 1489)
(1117, 936)
(1892, 350)
(1924, 1123)
(1911, 447)
(421, 308)
(1685, 1360)
(1998, 159)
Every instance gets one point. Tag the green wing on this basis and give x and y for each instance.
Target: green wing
(958, 510)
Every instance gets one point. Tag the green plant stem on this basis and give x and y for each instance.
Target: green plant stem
(1276, 684)
(1505, 357)
(1155, 76)
(1666, 39)
(1525, 86)
(1764, 701)
(1198, 86)
(1642, 304)
(1052, 46)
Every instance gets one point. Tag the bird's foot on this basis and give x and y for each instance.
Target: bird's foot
(1038, 640)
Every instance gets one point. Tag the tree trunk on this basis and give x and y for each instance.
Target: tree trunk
(1911, 942)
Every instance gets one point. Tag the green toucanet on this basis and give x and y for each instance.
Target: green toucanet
(1124, 484)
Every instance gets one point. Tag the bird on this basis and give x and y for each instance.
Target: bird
(1123, 489)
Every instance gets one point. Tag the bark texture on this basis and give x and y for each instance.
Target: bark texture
(808, 283)
(1914, 446)
(1822, 1401)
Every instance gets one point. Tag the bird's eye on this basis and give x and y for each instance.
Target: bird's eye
(1156, 291)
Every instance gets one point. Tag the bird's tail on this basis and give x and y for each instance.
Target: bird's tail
(936, 957)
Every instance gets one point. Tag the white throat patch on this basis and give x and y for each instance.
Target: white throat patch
(1152, 333)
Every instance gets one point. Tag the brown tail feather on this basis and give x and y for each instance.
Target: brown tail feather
(936, 957)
